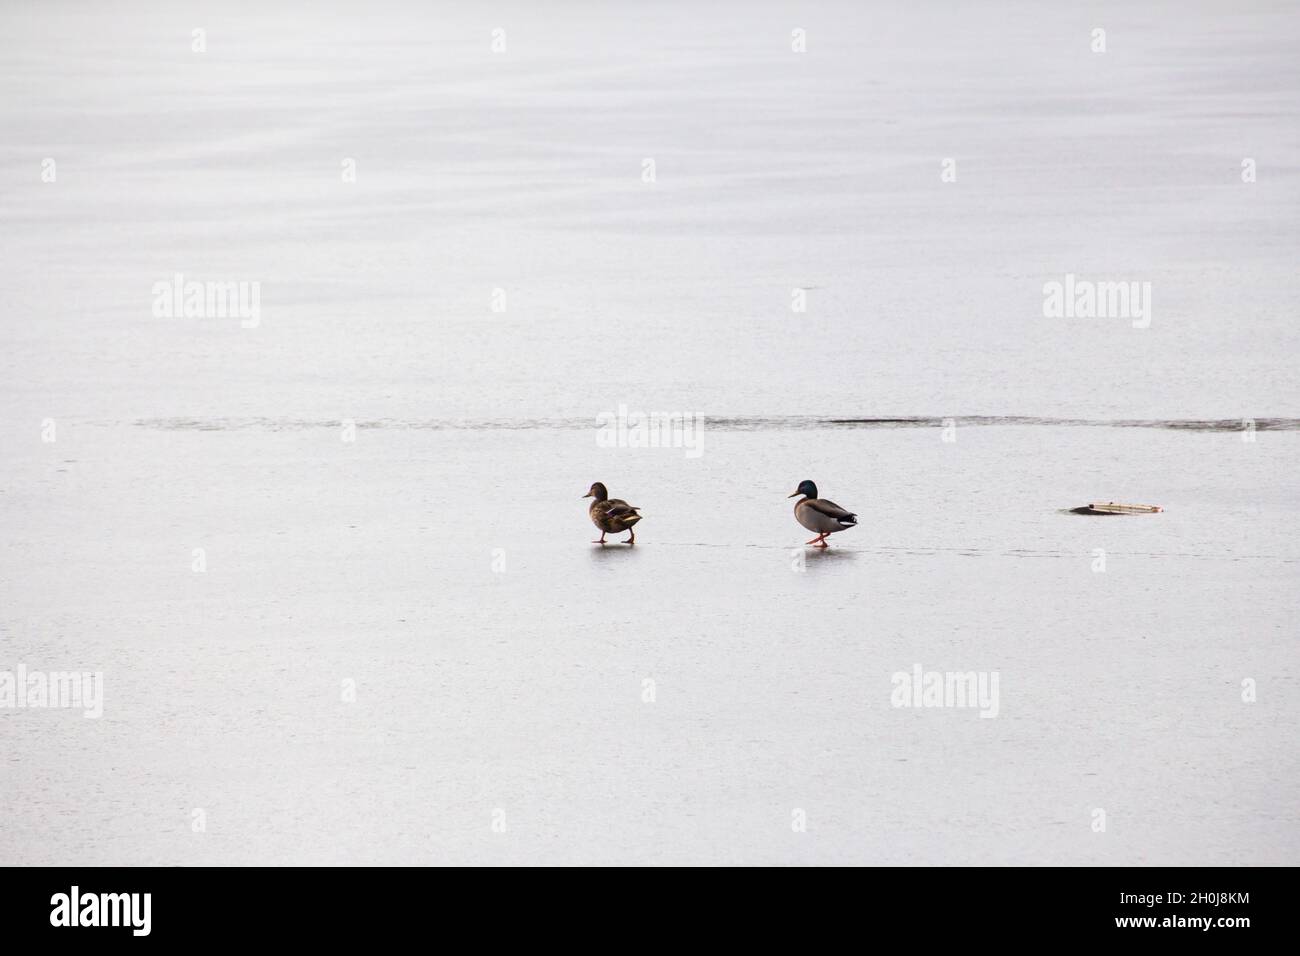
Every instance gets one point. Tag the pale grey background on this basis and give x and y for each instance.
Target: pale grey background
(522, 690)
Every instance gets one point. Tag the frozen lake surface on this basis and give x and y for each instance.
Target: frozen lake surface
(437, 568)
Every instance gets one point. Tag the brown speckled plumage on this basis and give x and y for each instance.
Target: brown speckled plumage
(611, 515)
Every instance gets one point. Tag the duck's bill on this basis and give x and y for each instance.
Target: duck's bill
(792, 495)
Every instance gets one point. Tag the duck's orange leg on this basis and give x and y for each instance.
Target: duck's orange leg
(602, 539)
(632, 539)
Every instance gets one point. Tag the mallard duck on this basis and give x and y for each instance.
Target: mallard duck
(818, 514)
(611, 515)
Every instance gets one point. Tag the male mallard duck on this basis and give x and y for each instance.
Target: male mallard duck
(611, 515)
(817, 514)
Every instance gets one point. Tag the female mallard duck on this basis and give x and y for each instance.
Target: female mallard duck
(817, 514)
(611, 515)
